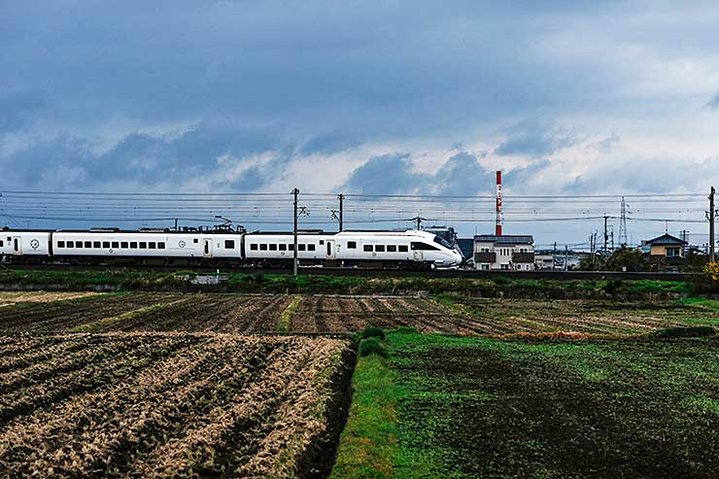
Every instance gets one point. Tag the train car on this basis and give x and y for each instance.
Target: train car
(25, 246)
(276, 249)
(389, 249)
(147, 247)
(392, 248)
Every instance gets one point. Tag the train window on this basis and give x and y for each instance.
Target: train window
(229, 244)
(152, 245)
(70, 244)
(417, 246)
(403, 248)
(301, 247)
(263, 247)
(161, 245)
(391, 248)
(322, 241)
(60, 244)
(88, 244)
(273, 247)
(291, 247)
(105, 244)
(78, 244)
(196, 241)
(143, 245)
(133, 244)
(96, 244)
(351, 245)
(379, 248)
(123, 244)
(115, 244)
(283, 247)
(253, 246)
(368, 248)
(310, 247)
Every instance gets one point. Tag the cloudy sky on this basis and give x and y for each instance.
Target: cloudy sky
(566, 97)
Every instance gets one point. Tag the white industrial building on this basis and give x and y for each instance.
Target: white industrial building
(504, 252)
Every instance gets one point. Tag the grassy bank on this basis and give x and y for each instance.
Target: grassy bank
(369, 440)
(128, 279)
(477, 407)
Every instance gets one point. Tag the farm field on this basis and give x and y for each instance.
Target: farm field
(238, 313)
(168, 404)
(442, 406)
(518, 316)
(12, 297)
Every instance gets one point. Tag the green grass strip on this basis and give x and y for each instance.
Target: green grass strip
(102, 324)
(368, 444)
(284, 323)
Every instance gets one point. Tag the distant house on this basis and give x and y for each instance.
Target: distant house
(557, 259)
(505, 252)
(665, 246)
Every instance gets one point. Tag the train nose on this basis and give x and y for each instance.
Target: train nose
(455, 259)
(458, 257)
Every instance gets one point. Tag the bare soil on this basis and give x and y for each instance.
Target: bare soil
(164, 405)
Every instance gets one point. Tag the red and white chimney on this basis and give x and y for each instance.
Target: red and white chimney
(498, 226)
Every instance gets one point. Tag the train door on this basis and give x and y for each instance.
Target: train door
(17, 245)
(331, 251)
(207, 248)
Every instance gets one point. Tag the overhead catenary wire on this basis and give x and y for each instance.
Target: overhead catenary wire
(272, 208)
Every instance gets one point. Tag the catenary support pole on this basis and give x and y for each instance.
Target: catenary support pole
(341, 197)
(295, 193)
(711, 215)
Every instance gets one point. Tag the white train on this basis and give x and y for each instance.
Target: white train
(389, 249)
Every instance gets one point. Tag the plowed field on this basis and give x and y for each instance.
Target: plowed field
(236, 313)
(348, 314)
(149, 405)
(65, 315)
(492, 316)
(12, 297)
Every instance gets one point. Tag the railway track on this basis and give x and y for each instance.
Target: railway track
(367, 272)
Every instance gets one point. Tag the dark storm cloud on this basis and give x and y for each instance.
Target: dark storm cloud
(520, 178)
(385, 174)
(148, 161)
(376, 69)
(462, 175)
(329, 144)
(534, 137)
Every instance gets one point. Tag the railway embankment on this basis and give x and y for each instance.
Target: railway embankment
(118, 279)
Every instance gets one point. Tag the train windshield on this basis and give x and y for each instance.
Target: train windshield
(443, 242)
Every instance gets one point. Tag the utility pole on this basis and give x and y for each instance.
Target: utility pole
(566, 257)
(341, 197)
(295, 193)
(419, 220)
(554, 257)
(606, 236)
(711, 214)
(175, 224)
